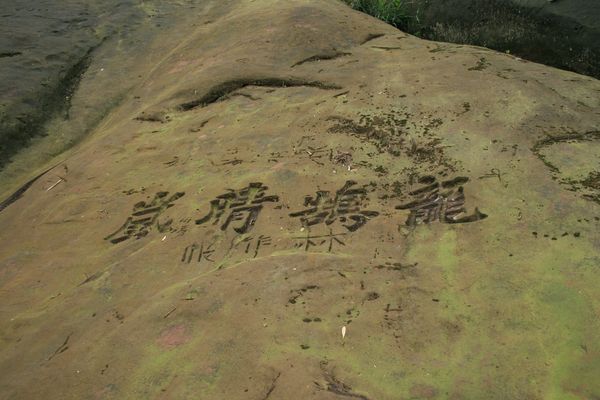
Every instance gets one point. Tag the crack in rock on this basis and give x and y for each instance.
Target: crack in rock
(223, 90)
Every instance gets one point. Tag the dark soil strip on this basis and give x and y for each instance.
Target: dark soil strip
(386, 48)
(322, 57)
(10, 54)
(70, 82)
(202, 125)
(55, 102)
(170, 312)
(536, 149)
(222, 90)
(372, 36)
(63, 347)
(91, 278)
(334, 385)
(151, 118)
(19, 193)
(273, 384)
(341, 94)
(341, 389)
(592, 182)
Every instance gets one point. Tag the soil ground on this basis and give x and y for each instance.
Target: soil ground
(564, 34)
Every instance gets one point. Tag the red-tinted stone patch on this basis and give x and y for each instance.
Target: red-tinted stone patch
(423, 392)
(174, 336)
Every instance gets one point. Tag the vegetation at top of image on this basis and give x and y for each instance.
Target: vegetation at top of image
(394, 12)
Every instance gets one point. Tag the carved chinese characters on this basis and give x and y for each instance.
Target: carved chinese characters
(328, 221)
(144, 217)
(346, 206)
(242, 205)
(443, 202)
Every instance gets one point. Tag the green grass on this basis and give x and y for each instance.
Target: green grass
(394, 12)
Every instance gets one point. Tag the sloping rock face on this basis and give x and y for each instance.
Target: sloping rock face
(64, 67)
(292, 170)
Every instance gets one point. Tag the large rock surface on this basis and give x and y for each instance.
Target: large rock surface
(279, 170)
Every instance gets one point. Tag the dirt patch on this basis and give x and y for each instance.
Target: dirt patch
(394, 133)
(174, 336)
(592, 183)
(336, 386)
